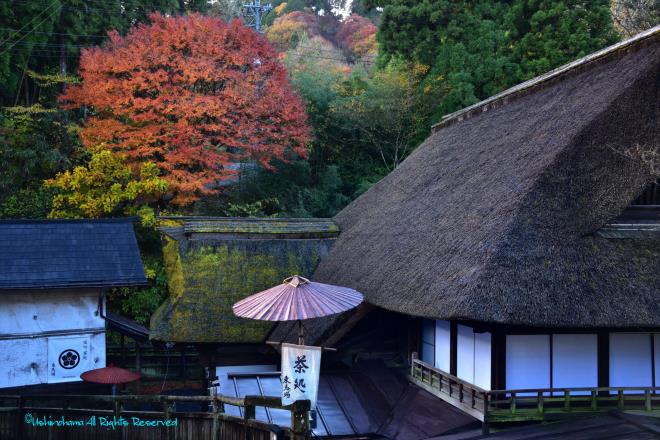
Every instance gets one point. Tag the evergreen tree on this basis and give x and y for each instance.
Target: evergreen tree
(46, 36)
(544, 34)
(476, 48)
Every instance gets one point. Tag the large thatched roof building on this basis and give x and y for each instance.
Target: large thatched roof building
(526, 230)
(494, 217)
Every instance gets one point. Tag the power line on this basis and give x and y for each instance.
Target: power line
(56, 33)
(25, 35)
(29, 22)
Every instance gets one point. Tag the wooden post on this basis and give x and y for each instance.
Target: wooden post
(118, 433)
(169, 430)
(65, 411)
(485, 426)
(594, 400)
(250, 412)
(215, 435)
(299, 420)
(138, 366)
(21, 420)
(413, 358)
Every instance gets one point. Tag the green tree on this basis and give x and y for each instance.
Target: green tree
(46, 36)
(478, 48)
(544, 34)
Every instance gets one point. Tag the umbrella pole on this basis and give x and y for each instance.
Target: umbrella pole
(301, 336)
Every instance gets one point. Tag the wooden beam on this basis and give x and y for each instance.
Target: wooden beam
(603, 359)
(453, 348)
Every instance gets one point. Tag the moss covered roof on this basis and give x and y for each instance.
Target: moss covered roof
(212, 263)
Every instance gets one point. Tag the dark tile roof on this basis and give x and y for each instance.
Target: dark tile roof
(69, 253)
(127, 327)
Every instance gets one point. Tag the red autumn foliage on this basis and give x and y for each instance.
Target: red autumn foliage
(357, 36)
(193, 94)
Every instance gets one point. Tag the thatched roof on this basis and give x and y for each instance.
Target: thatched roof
(211, 263)
(494, 217)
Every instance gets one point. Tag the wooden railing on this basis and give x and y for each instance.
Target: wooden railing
(91, 417)
(536, 404)
(459, 393)
(529, 404)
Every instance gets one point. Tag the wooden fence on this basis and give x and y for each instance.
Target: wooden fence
(530, 404)
(144, 417)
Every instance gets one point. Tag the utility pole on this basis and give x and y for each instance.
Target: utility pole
(253, 13)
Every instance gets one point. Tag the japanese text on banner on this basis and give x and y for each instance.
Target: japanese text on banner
(301, 366)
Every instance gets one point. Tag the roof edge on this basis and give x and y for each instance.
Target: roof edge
(541, 80)
(23, 221)
(133, 282)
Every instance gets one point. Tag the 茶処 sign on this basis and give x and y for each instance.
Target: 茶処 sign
(301, 366)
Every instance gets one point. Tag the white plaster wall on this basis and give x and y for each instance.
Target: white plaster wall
(442, 345)
(16, 359)
(473, 362)
(527, 361)
(33, 312)
(25, 361)
(574, 361)
(29, 318)
(630, 360)
(482, 360)
(465, 353)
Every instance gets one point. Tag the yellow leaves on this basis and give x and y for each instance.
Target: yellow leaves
(107, 186)
(278, 10)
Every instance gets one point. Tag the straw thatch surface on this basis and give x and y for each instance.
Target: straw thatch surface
(493, 217)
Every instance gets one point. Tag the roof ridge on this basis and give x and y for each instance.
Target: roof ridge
(534, 83)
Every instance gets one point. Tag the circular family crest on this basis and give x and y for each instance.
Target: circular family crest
(69, 359)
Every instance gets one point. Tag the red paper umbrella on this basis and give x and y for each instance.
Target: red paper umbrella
(110, 375)
(297, 298)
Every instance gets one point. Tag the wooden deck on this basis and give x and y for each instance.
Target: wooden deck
(89, 417)
(531, 404)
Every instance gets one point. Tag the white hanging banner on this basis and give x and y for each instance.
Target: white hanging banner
(301, 366)
(68, 358)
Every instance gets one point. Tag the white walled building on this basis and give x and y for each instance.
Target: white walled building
(53, 275)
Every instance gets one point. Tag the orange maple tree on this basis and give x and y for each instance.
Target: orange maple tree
(192, 94)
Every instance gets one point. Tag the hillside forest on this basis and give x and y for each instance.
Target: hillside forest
(178, 107)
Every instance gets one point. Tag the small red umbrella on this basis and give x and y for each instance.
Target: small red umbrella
(110, 375)
(297, 298)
